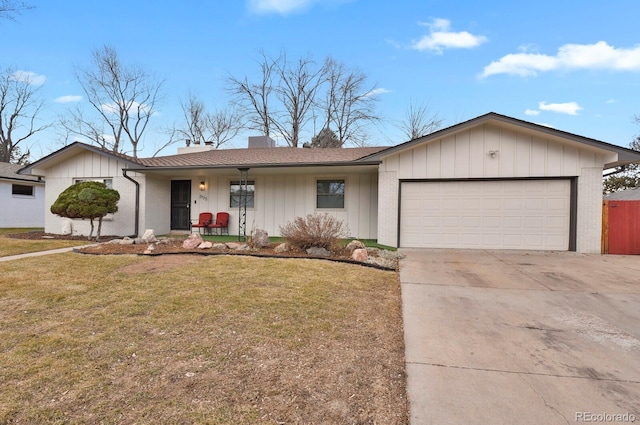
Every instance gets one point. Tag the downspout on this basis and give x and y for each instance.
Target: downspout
(137, 216)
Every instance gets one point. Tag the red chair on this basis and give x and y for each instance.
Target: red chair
(222, 223)
(205, 221)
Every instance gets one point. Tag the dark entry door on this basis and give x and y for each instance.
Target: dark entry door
(180, 203)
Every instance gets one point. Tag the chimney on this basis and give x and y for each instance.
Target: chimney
(261, 142)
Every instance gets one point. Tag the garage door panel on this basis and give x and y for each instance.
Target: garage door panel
(508, 214)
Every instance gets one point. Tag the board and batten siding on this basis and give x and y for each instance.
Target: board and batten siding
(92, 166)
(279, 199)
(466, 155)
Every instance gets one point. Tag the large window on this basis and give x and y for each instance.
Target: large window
(330, 194)
(21, 189)
(235, 192)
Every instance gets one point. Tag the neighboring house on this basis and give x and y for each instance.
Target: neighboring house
(21, 197)
(490, 182)
(629, 194)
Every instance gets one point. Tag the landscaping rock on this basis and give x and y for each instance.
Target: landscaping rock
(318, 252)
(355, 244)
(283, 247)
(205, 245)
(360, 254)
(243, 247)
(149, 249)
(219, 246)
(149, 236)
(192, 242)
(127, 241)
(261, 239)
(66, 226)
(232, 245)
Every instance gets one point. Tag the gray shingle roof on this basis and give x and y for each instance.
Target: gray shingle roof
(10, 171)
(261, 157)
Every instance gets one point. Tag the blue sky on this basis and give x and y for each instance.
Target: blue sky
(574, 66)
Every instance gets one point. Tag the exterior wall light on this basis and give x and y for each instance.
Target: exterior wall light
(202, 186)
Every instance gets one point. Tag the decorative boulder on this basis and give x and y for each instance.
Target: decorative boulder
(149, 236)
(192, 242)
(205, 245)
(232, 245)
(127, 241)
(283, 247)
(318, 252)
(219, 246)
(355, 244)
(149, 250)
(360, 254)
(261, 239)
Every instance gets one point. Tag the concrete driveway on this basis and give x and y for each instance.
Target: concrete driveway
(507, 337)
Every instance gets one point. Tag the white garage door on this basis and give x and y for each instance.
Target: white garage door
(496, 214)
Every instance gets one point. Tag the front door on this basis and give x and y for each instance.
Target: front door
(180, 203)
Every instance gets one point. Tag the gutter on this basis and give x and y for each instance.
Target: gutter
(137, 214)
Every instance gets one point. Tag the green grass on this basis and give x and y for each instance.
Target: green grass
(191, 339)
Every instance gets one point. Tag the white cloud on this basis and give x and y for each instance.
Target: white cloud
(569, 108)
(569, 57)
(440, 37)
(29, 77)
(532, 112)
(135, 107)
(285, 7)
(68, 99)
(376, 92)
(610, 101)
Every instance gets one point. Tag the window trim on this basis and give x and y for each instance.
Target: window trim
(95, 179)
(237, 182)
(342, 180)
(23, 195)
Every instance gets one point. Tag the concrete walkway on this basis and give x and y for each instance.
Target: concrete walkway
(504, 337)
(40, 253)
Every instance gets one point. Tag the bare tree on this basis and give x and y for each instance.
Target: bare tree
(123, 100)
(19, 109)
(255, 98)
(418, 120)
(349, 106)
(10, 8)
(298, 85)
(201, 126)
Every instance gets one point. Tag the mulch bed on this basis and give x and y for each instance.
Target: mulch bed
(174, 246)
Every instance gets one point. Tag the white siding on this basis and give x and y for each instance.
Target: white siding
(88, 166)
(281, 198)
(465, 155)
(20, 210)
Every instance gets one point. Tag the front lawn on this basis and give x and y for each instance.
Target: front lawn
(11, 246)
(192, 339)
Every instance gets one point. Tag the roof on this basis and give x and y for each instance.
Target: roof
(10, 172)
(222, 158)
(624, 155)
(631, 194)
(257, 157)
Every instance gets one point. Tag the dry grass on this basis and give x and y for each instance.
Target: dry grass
(191, 339)
(9, 246)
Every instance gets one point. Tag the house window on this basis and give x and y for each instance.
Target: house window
(235, 191)
(330, 194)
(21, 189)
(107, 182)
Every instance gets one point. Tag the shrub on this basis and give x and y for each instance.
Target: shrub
(315, 230)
